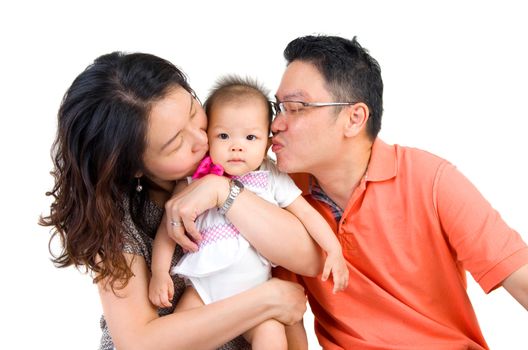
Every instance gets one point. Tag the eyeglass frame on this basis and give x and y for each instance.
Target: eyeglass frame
(278, 107)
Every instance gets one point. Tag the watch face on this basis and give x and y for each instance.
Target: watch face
(238, 184)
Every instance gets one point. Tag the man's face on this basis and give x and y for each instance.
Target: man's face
(307, 141)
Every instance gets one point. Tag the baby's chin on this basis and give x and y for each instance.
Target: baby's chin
(236, 170)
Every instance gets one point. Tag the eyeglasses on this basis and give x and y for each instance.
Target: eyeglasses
(297, 107)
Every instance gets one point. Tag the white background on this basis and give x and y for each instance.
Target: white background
(455, 76)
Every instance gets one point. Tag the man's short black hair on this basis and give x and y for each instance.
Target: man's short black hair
(351, 74)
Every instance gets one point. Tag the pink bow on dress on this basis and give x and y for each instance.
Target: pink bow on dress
(207, 166)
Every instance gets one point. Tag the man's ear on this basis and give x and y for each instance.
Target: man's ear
(356, 119)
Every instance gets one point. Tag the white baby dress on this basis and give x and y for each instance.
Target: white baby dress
(225, 263)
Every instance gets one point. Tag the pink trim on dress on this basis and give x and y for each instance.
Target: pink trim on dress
(257, 179)
(218, 232)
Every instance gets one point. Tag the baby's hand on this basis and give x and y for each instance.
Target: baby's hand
(336, 264)
(161, 289)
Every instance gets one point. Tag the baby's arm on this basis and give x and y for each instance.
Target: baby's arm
(161, 286)
(321, 232)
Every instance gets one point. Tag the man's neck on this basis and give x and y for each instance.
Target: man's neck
(341, 178)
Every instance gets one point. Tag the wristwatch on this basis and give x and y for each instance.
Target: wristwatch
(235, 187)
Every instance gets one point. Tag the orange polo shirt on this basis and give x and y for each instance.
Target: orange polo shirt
(409, 232)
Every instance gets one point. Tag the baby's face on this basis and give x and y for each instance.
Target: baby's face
(238, 135)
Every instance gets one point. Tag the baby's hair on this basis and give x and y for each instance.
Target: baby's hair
(232, 88)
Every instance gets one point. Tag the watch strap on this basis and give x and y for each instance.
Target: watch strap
(235, 188)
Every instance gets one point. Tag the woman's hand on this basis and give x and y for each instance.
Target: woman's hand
(135, 324)
(184, 207)
(287, 299)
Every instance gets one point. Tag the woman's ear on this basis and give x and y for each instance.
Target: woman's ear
(357, 116)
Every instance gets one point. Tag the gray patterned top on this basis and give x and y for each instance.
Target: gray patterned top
(139, 243)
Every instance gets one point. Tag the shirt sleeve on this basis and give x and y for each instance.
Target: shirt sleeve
(285, 191)
(483, 243)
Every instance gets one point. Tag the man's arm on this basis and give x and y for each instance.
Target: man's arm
(517, 285)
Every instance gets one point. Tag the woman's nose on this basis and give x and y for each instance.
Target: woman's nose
(200, 138)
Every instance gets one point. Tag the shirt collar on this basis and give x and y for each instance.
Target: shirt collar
(383, 165)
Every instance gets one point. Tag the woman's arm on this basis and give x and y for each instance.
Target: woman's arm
(322, 233)
(274, 232)
(316, 226)
(134, 323)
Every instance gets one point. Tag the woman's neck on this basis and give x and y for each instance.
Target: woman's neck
(158, 194)
(159, 197)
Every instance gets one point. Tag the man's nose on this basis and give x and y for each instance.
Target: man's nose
(278, 124)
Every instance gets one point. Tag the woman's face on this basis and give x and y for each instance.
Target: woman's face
(176, 138)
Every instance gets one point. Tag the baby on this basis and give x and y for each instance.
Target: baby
(225, 263)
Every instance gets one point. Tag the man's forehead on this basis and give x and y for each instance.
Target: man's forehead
(289, 95)
(301, 80)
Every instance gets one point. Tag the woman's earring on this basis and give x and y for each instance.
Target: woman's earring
(139, 188)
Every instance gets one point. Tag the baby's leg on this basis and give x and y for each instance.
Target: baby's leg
(189, 300)
(267, 335)
(296, 336)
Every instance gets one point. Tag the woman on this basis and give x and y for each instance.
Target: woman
(129, 128)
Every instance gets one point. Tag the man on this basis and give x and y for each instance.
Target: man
(408, 222)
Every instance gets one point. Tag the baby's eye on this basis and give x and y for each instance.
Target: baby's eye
(251, 137)
(223, 136)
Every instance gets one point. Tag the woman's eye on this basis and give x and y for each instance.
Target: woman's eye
(223, 136)
(177, 144)
(251, 137)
